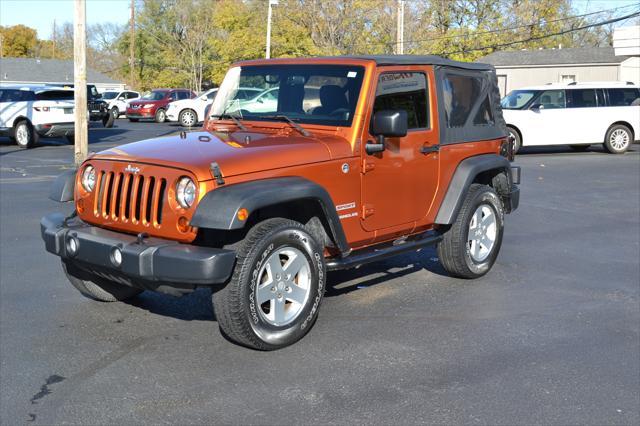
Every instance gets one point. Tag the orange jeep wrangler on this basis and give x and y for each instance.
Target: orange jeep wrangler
(336, 162)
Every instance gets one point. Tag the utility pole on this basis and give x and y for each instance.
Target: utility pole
(268, 51)
(81, 129)
(132, 42)
(400, 28)
(53, 54)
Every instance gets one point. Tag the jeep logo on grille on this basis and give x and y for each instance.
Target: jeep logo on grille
(132, 169)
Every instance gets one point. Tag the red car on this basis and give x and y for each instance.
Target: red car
(153, 104)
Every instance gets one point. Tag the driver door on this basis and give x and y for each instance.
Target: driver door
(399, 184)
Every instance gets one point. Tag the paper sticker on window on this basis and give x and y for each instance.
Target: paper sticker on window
(352, 74)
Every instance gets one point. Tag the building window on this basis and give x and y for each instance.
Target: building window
(567, 78)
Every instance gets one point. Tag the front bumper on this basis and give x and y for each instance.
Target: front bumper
(151, 260)
(140, 113)
(55, 130)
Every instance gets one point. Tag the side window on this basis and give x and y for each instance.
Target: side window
(484, 116)
(552, 99)
(624, 97)
(405, 91)
(184, 95)
(581, 98)
(460, 92)
(212, 95)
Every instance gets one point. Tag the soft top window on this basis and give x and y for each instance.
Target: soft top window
(405, 91)
(468, 105)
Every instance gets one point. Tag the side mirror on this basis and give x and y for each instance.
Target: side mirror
(387, 123)
(121, 98)
(390, 123)
(204, 98)
(537, 106)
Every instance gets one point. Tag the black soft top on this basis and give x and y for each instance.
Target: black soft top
(417, 60)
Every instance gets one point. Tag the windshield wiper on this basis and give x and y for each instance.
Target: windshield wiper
(295, 125)
(234, 119)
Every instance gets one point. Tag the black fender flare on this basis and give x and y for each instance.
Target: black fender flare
(219, 208)
(463, 177)
(63, 187)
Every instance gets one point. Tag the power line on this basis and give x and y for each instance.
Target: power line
(534, 24)
(511, 43)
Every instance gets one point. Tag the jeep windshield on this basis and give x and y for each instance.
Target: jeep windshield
(307, 94)
(518, 99)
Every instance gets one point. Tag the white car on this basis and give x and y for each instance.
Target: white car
(575, 114)
(190, 111)
(30, 112)
(117, 101)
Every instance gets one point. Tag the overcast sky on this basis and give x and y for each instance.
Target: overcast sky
(40, 14)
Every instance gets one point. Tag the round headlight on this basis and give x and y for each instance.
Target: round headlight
(89, 178)
(186, 192)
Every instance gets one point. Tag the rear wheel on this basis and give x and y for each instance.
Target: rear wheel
(25, 134)
(277, 286)
(188, 118)
(107, 120)
(470, 248)
(517, 140)
(618, 139)
(161, 116)
(97, 288)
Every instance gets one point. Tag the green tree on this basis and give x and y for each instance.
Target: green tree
(18, 41)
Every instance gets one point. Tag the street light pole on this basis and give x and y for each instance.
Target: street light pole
(400, 29)
(268, 50)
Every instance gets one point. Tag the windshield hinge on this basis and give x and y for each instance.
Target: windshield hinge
(215, 171)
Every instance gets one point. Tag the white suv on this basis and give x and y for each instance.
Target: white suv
(575, 114)
(30, 112)
(117, 101)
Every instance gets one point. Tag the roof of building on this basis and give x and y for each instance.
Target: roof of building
(390, 60)
(580, 55)
(30, 70)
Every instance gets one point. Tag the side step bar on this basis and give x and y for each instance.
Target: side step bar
(372, 254)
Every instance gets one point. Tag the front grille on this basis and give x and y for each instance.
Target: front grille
(128, 197)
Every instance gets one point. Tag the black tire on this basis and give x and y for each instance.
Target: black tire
(240, 317)
(161, 116)
(115, 112)
(517, 144)
(454, 250)
(97, 288)
(25, 135)
(107, 120)
(615, 146)
(580, 148)
(188, 118)
(133, 120)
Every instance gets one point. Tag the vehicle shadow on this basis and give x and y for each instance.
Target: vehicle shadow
(197, 306)
(566, 149)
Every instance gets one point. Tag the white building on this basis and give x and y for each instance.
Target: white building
(521, 68)
(626, 43)
(50, 71)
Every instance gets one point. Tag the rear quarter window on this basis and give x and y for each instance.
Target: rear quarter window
(624, 96)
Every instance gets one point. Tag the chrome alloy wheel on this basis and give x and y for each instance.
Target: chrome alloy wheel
(188, 119)
(22, 135)
(284, 283)
(483, 230)
(619, 139)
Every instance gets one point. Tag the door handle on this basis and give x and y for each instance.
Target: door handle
(430, 149)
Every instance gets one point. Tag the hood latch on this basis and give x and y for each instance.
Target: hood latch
(215, 171)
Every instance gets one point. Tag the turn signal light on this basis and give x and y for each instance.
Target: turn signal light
(242, 215)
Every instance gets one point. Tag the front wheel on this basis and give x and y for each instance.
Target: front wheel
(618, 139)
(470, 248)
(277, 286)
(115, 112)
(107, 120)
(97, 288)
(161, 116)
(25, 135)
(188, 118)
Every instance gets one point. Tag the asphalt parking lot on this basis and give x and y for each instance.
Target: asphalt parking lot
(550, 336)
